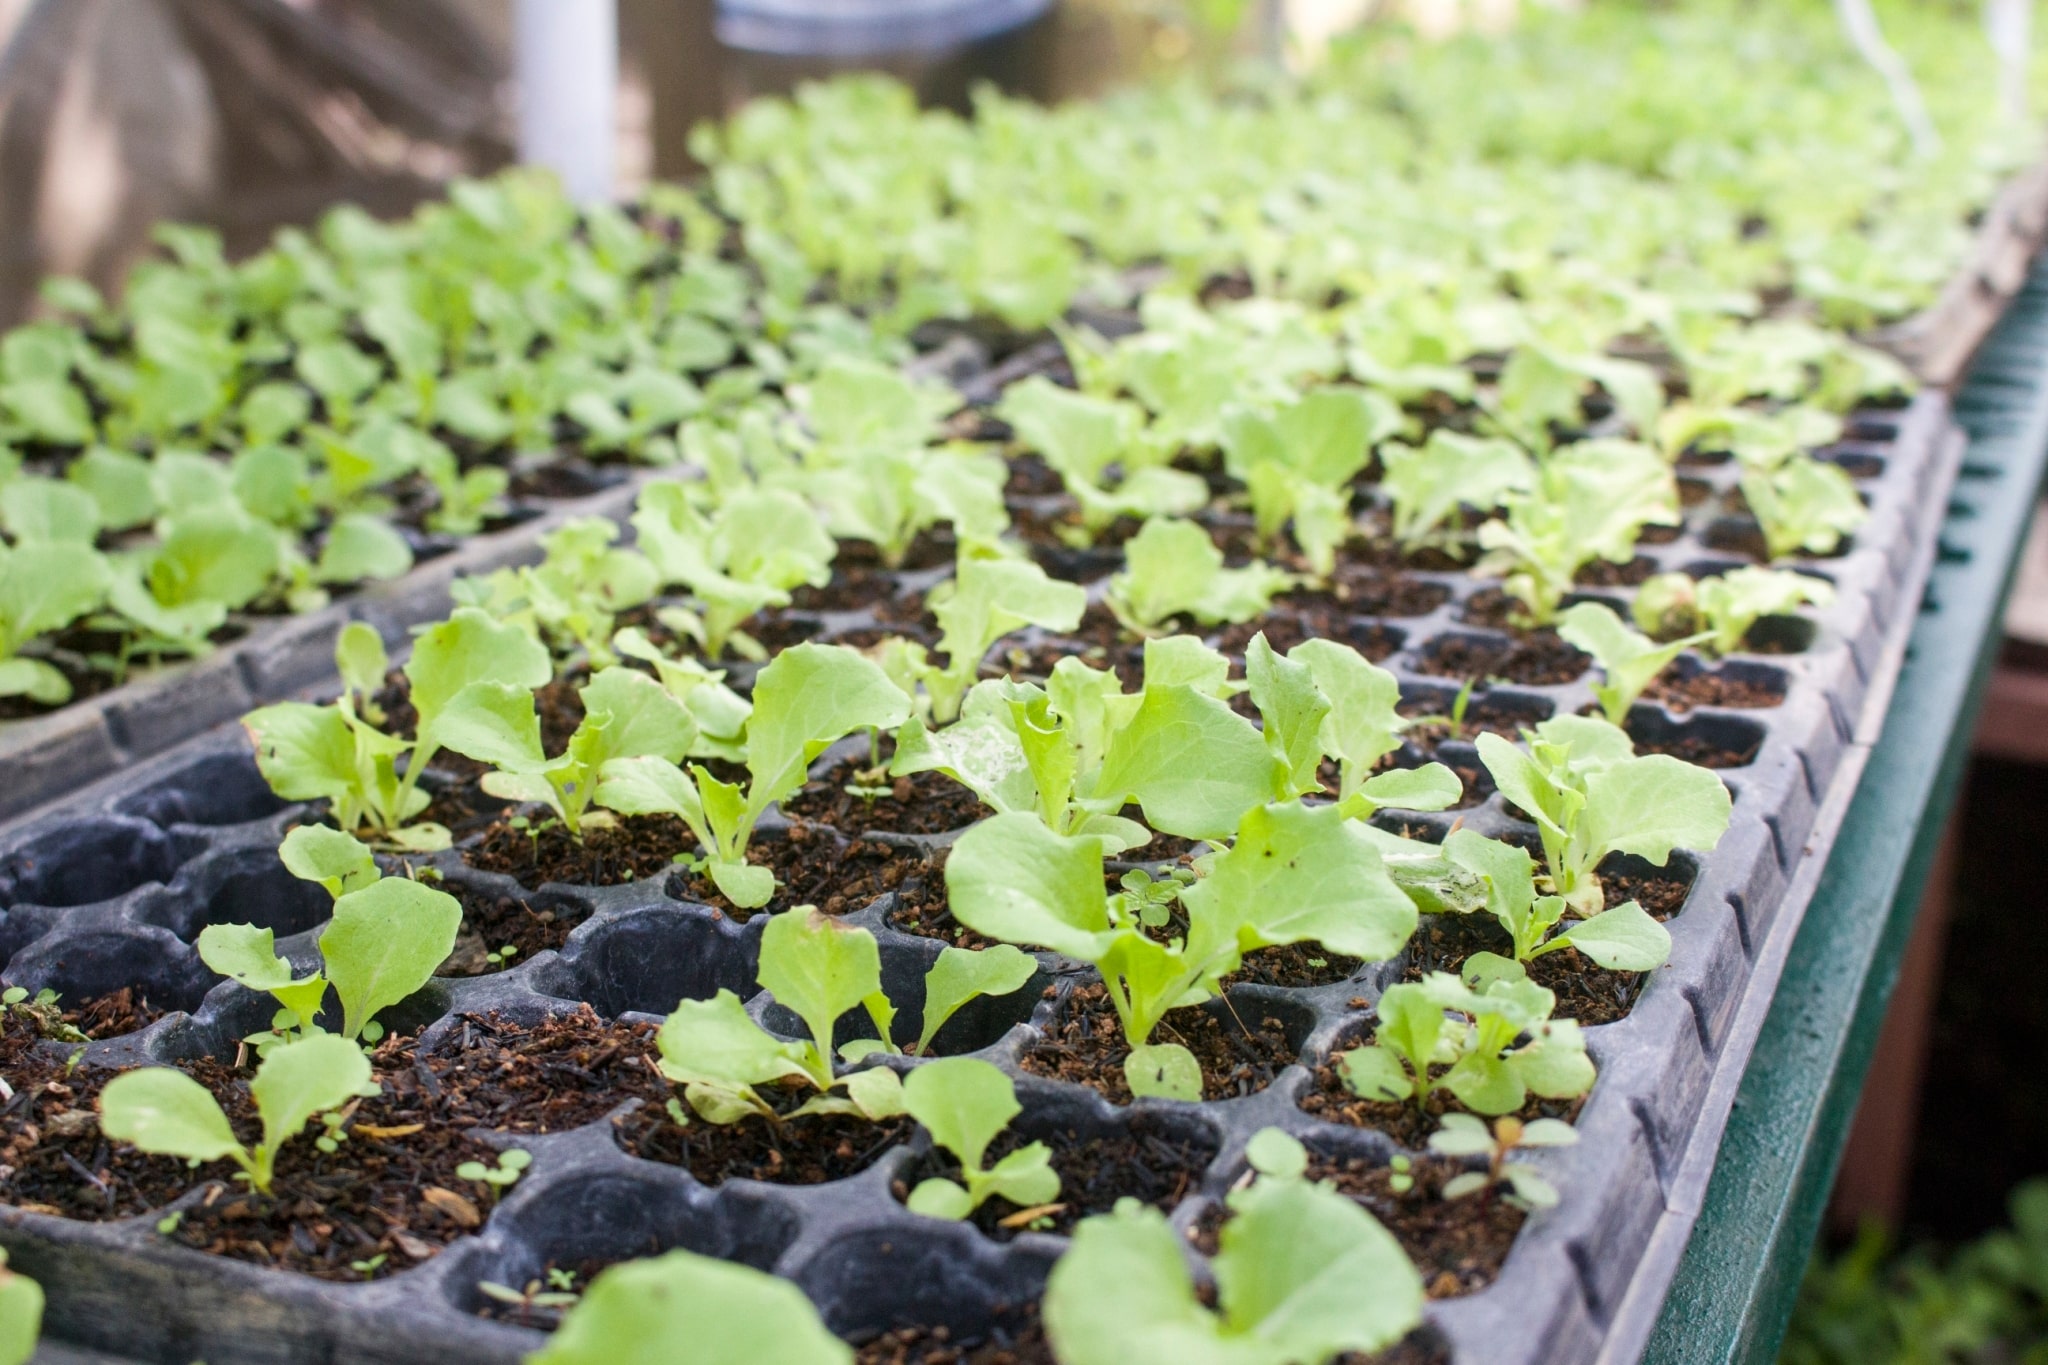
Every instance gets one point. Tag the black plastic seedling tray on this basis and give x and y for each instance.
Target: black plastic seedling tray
(110, 890)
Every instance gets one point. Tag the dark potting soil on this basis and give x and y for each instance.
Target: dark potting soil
(1701, 751)
(1711, 687)
(1149, 1161)
(811, 868)
(1585, 991)
(629, 848)
(931, 548)
(922, 803)
(492, 923)
(1603, 573)
(1331, 1101)
(923, 909)
(1367, 589)
(860, 587)
(805, 1151)
(1086, 1046)
(1099, 641)
(1294, 964)
(1457, 1245)
(561, 1073)
(1537, 659)
(54, 1159)
(387, 1199)
(1018, 1342)
(1286, 626)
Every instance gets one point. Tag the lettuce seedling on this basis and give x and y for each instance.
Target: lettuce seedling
(1589, 502)
(809, 698)
(1590, 795)
(1620, 938)
(858, 408)
(1295, 873)
(1803, 504)
(21, 1315)
(385, 940)
(44, 587)
(1629, 661)
(1085, 438)
(745, 555)
(1494, 1031)
(1302, 1274)
(466, 498)
(626, 714)
(333, 753)
(964, 1104)
(1462, 1135)
(205, 564)
(1725, 606)
(986, 600)
(572, 596)
(1172, 568)
(684, 1306)
(1079, 750)
(719, 712)
(166, 1113)
(888, 497)
(1428, 485)
(818, 968)
(1298, 463)
(1326, 698)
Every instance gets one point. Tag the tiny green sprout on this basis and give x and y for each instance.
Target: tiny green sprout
(533, 1295)
(1629, 660)
(170, 1222)
(1462, 1135)
(368, 1269)
(1402, 1179)
(1147, 900)
(561, 1279)
(41, 1014)
(500, 956)
(511, 1165)
(964, 1104)
(1462, 703)
(866, 793)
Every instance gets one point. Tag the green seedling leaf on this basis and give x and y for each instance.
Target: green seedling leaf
(1630, 661)
(118, 483)
(718, 1054)
(1621, 939)
(1276, 1155)
(383, 944)
(961, 975)
(1163, 1071)
(819, 969)
(808, 699)
(21, 1315)
(1011, 878)
(1429, 485)
(318, 853)
(990, 598)
(964, 1104)
(40, 509)
(1173, 568)
(1293, 709)
(166, 1113)
(362, 548)
(686, 1309)
(246, 954)
(1188, 761)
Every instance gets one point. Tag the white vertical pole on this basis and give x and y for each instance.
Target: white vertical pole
(2010, 25)
(568, 72)
(1861, 23)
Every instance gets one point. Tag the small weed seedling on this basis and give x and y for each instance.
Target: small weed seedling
(1464, 1135)
(501, 1177)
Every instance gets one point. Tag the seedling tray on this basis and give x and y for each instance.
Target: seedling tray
(109, 891)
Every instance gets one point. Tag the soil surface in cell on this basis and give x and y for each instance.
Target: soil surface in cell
(1712, 687)
(1287, 626)
(922, 907)
(1086, 1046)
(1294, 964)
(493, 922)
(860, 587)
(1099, 641)
(922, 803)
(561, 1073)
(529, 1305)
(1586, 992)
(628, 849)
(805, 1151)
(1700, 751)
(811, 868)
(1537, 659)
(1021, 1342)
(1148, 1160)
(1457, 1245)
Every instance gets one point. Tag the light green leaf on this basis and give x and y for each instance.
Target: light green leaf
(319, 853)
(21, 1315)
(1652, 804)
(1621, 939)
(305, 1078)
(1191, 764)
(1299, 873)
(1011, 878)
(818, 968)
(1375, 1073)
(383, 944)
(1307, 1273)
(1293, 708)
(493, 723)
(166, 1113)
(362, 548)
(806, 700)
(960, 975)
(1165, 1071)
(963, 1103)
(715, 1042)
(686, 1309)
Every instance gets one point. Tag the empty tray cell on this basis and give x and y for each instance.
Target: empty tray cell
(219, 788)
(84, 860)
(1711, 741)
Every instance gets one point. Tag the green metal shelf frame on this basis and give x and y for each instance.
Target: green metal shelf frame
(1740, 1274)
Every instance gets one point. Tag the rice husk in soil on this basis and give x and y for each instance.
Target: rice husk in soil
(560, 1073)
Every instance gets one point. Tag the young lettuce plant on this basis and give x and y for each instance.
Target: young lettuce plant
(1298, 462)
(1629, 661)
(1462, 1135)
(1590, 794)
(571, 598)
(1083, 438)
(965, 1104)
(742, 557)
(1724, 607)
(1074, 753)
(817, 968)
(626, 714)
(986, 600)
(1302, 1274)
(1295, 873)
(1325, 698)
(335, 753)
(1473, 1025)
(684, 1306)
(1429, 485)
(809, 698)
(1589, 502)
(387, 936)
(44, 587)
(888, 497)
(1173, 568)
(720, 714)
(166, 1113)
(1620, 938)
(1803, 505)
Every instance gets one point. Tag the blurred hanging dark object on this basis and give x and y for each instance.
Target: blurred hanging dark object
(244, 114)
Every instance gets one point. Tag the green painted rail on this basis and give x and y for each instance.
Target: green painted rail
(1740, 1274)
